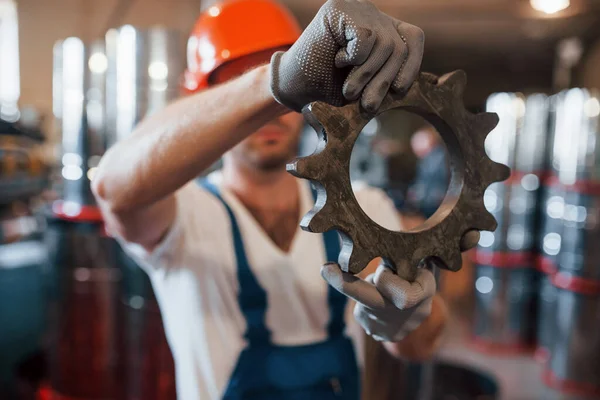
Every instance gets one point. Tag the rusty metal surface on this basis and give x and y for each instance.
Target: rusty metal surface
(439, 101)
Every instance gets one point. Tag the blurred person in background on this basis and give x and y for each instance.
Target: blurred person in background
(400, 166)
(246, 312)
(430, 185)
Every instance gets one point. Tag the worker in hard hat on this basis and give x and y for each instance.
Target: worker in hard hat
(245, 310)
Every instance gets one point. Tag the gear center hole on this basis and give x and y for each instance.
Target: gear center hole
(403, 154)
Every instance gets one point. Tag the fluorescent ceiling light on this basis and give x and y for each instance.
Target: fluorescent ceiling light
(550, 6)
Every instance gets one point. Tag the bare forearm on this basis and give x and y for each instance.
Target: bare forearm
(175, 145)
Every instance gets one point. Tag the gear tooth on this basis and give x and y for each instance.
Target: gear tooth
(351, 259)
(357, 262)
(456, 80)
(299, 167)
(503, 172)
(318, 113)
(292, 167)
(306, 167)
(487, 121)
(485, 220)
(498, 172)
(317, 220)
(454, 261)
(404, 268)
(312, 112)
(346, 251)
(469, 239)
(428, 78)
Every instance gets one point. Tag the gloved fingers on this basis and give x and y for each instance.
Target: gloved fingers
(392, 327)
(352, 286)
(414, 37)
(400, 292)
(377, 89)
(382, 326)
(360, 42)
(361, 75)
(416, 318)
(371, 324)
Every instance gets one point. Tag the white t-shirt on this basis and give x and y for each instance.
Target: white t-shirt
(193, 273)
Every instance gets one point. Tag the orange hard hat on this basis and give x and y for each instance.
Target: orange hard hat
(233, 29)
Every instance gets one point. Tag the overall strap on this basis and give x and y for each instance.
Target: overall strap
(336, 300)
(252, 298)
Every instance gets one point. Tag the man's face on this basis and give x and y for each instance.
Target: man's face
(424, 141)
(274, 144)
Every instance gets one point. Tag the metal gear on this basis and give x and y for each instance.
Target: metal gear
(439, 101)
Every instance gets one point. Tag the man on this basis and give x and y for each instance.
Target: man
(245, 312)
(431, 182)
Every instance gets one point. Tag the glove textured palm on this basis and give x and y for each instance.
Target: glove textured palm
(387, 307)
(349, 50)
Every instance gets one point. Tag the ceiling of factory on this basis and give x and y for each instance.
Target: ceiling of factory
(484, 33)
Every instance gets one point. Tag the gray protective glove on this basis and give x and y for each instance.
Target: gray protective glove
(349, 50)
(387, 306)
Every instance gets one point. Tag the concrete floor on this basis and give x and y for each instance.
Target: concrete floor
(518, 376)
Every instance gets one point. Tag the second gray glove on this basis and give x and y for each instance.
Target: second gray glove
(387, 307)
(350, 50)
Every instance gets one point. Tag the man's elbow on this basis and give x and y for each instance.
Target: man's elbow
(113, 212)
(109, 196)
(99, 188)
(423, 342)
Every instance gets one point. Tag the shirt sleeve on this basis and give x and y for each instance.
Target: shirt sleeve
(193, 208)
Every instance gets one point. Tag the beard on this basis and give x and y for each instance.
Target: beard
(267, 154)
(273, 163)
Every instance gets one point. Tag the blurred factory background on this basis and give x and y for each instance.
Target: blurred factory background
(78, 318)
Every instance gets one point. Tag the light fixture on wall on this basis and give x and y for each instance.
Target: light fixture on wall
(550, 6)
(10, 87)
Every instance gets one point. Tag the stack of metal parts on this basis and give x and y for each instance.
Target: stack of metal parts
(550, 236)
(553, 148)
(79, 111)
(107, 339)
(82, 351)
(574, 345)
(505, 277)
(143, 76)
(23, 259)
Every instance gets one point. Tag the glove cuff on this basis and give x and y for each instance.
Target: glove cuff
(277, 80)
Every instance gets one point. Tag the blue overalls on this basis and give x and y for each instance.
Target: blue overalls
(264, 371)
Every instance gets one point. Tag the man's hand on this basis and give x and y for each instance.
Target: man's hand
(387, 306)
(350, 50)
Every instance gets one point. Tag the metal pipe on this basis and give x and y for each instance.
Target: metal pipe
(144, 71)
(574, 364)
(83, 334)
(577, 167)
(79, 98)
(504, 301)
